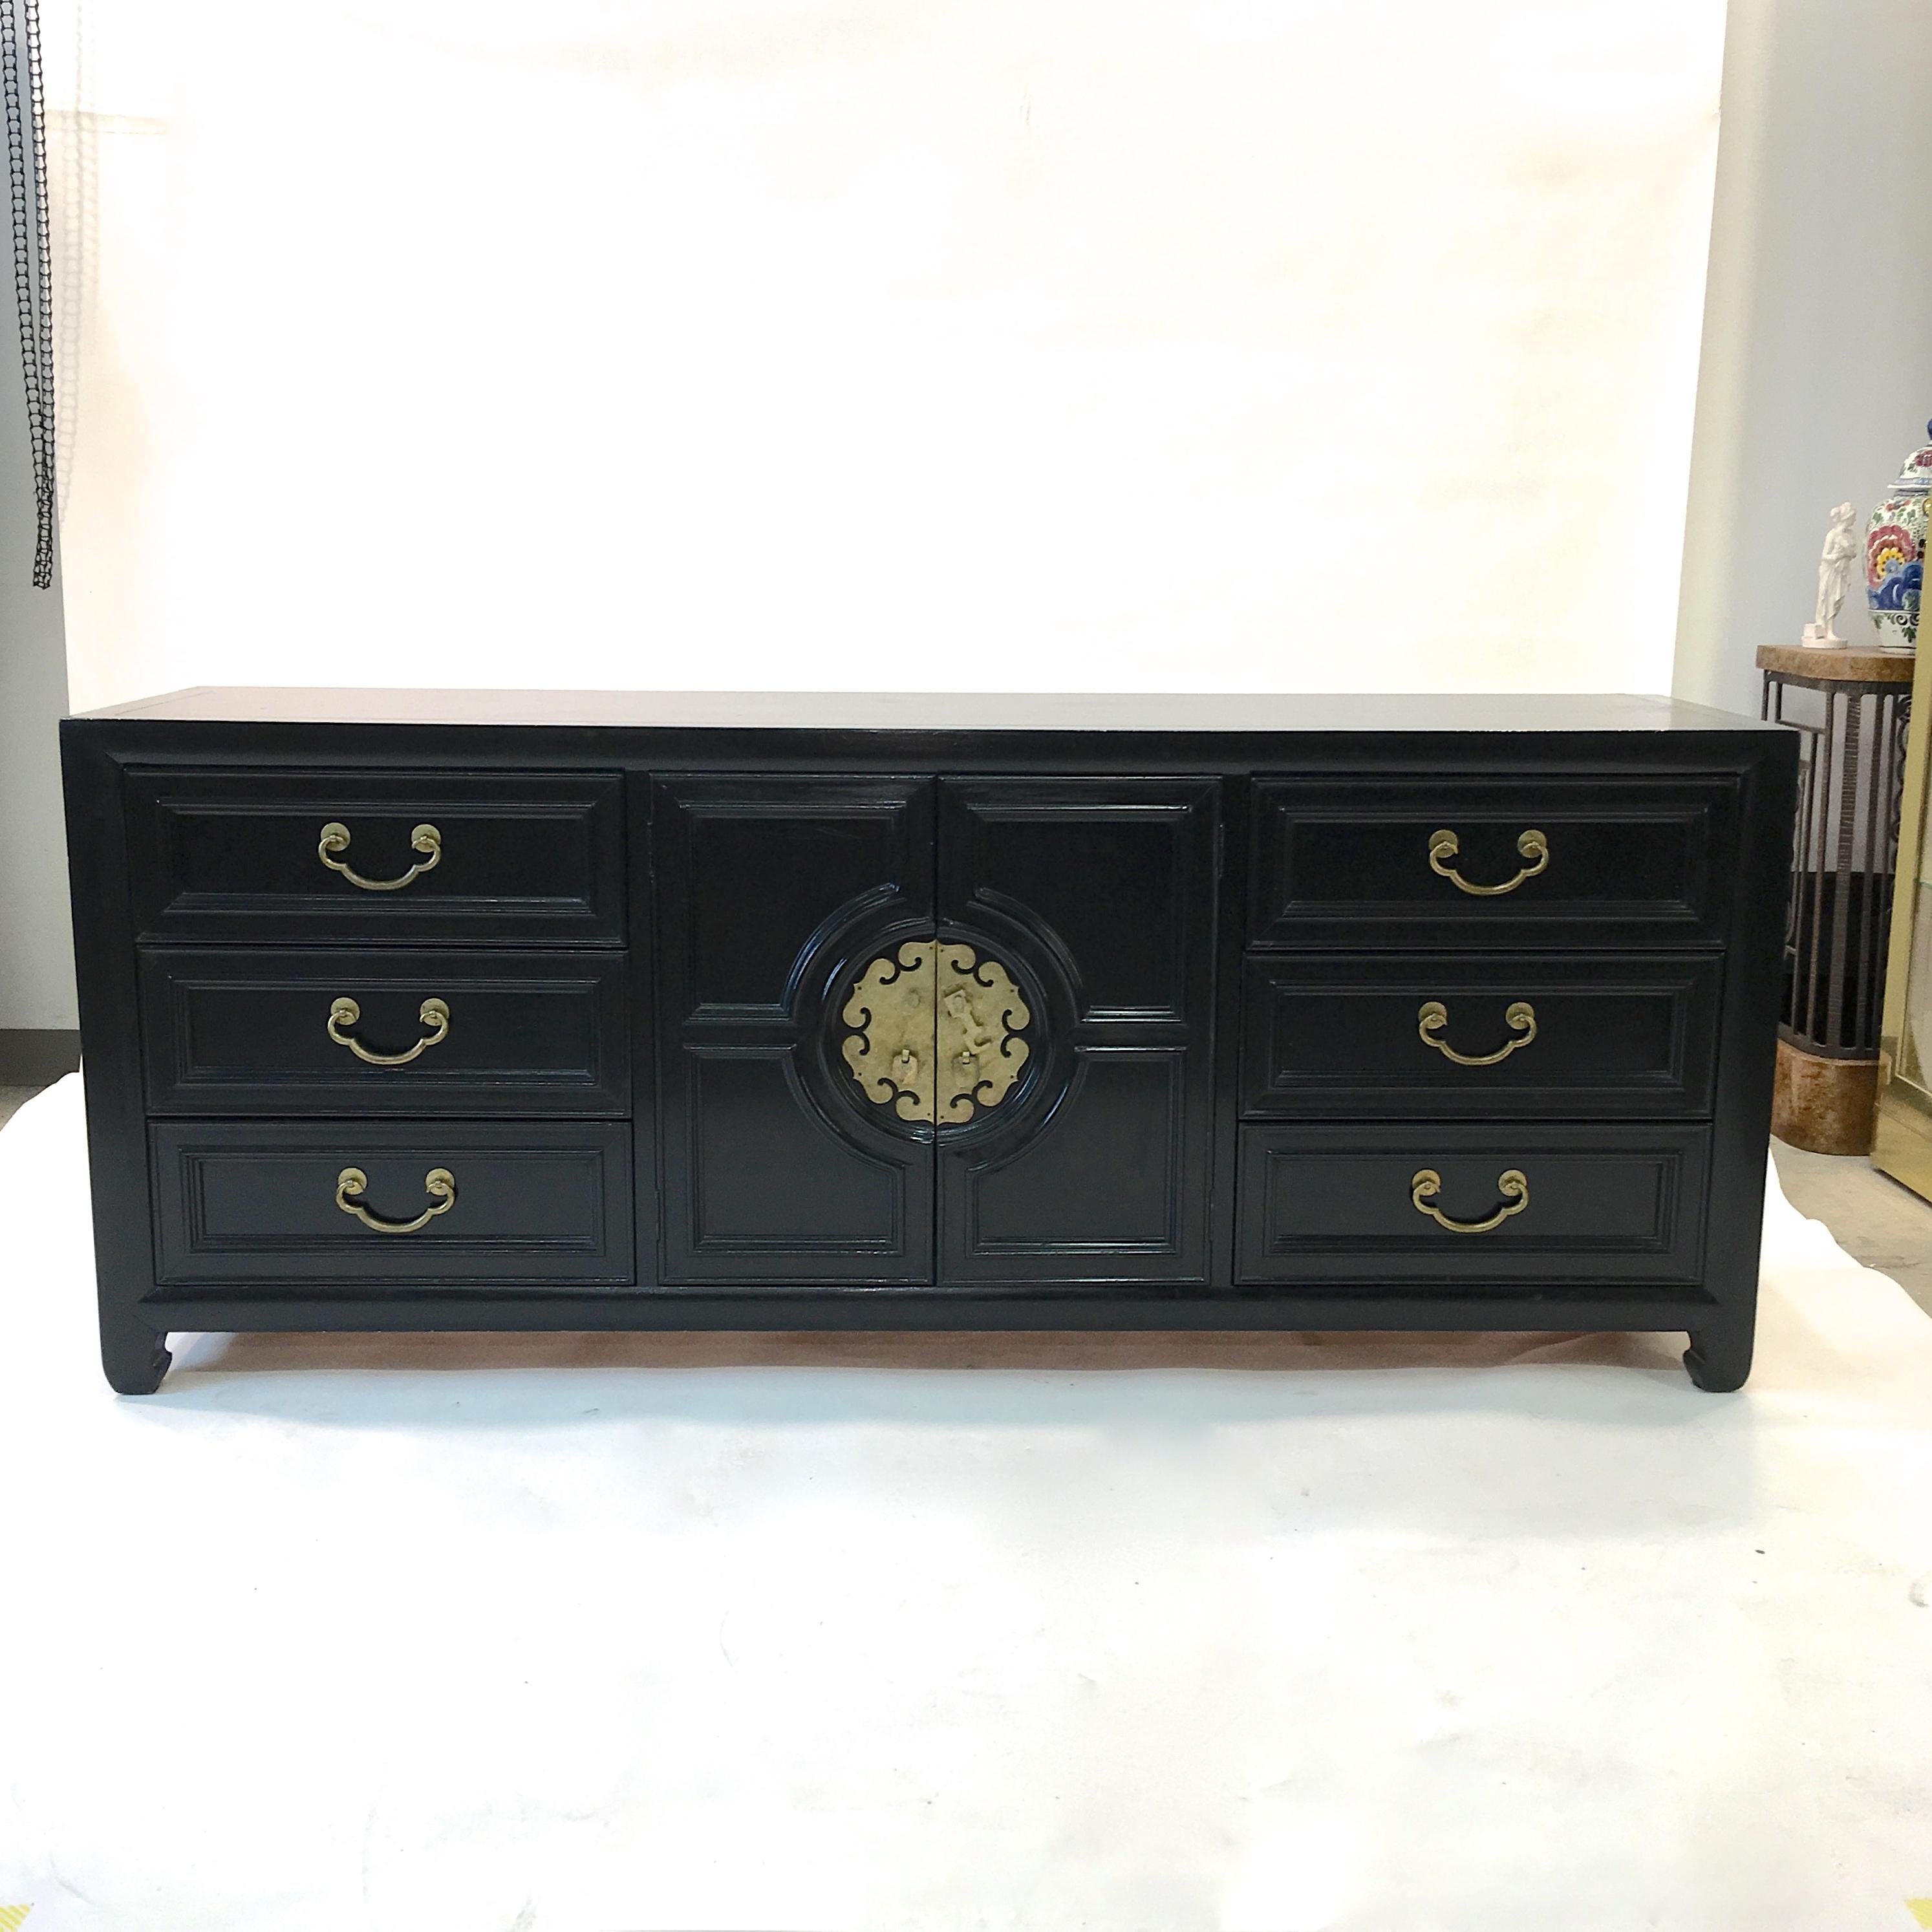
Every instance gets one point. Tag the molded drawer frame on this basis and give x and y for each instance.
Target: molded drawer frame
(227, 1030)
(229, 855)
(1635, 862)
(254, 1202)
(1590, 1010)
(1607, 1204)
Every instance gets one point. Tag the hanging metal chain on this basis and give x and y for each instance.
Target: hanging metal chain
(27, 180)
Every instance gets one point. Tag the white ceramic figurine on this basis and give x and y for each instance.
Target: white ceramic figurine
(1834, 576)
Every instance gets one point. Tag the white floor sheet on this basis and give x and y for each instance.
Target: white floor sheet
(583, 1634)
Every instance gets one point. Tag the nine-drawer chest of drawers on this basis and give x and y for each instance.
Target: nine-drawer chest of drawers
(524, 1010)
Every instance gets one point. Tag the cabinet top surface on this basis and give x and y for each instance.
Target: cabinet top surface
(919, 711)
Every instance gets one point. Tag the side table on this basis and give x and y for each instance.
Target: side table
(1851, 708)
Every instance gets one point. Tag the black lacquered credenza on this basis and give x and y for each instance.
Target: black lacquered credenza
(526, 1010)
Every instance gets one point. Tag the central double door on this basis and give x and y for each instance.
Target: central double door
(934, 1032)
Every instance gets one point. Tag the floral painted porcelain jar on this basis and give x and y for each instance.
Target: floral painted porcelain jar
(1895, 553)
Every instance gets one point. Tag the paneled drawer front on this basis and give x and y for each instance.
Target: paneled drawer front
(256, 1203)
(1598, 1204)
(513, 856)
(1564, 861)
(1339, 1036)
(489, 1031)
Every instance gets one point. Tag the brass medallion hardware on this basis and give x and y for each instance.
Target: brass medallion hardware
(1512, 1184)
(890, 1050)
(440, 1184)
(935, 1032)
(424, 838)
(979, 1053)
(345, 1013)
(1520, 1017)
(1444, 845)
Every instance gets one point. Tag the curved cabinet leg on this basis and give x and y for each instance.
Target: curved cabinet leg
(1719, 1359)
(135, 1357)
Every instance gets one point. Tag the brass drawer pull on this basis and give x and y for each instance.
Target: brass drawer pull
(1444, 845)
(1513, 1185)
(1520, 1016)
(346, 1012)
(439, 1183)
(424, 838)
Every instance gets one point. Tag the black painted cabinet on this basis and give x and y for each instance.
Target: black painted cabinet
(475, 1010)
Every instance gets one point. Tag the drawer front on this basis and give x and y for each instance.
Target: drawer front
(1341, 1035)
(1564, 861)
(491, 1031)
(502, 858)
(1598, 1203)
(255, 1203)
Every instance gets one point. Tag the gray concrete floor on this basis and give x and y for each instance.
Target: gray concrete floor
(1876, 1221)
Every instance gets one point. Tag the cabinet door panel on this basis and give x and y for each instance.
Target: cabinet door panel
(1098, 895)
(769, 1178)
(1102, 1174)
(772, 895)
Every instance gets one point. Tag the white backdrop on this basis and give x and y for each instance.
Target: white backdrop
(1137, 344)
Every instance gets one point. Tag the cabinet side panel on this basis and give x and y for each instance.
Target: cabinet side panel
(110, 1027)
(1747, 1040)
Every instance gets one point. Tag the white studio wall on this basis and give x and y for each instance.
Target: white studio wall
(1218, 344)
(1817, 372)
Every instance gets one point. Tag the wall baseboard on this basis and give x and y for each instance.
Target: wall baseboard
(36, 1056)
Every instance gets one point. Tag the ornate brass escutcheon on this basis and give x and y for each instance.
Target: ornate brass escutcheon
(935, 1032)
(981, 1015)
(890, 1052)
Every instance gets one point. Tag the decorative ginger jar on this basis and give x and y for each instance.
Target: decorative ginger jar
(1895, 553)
